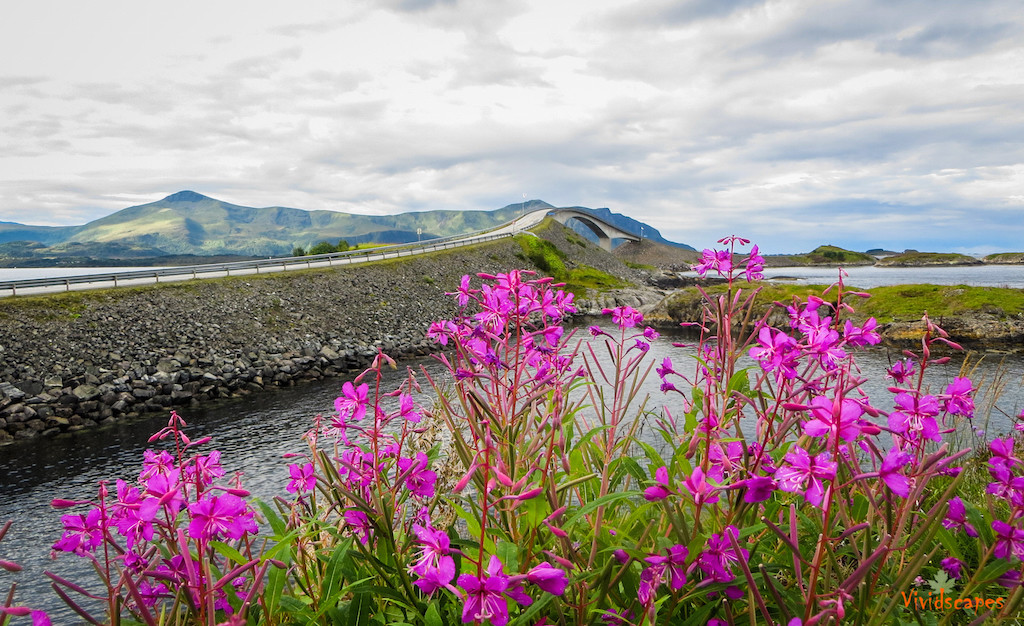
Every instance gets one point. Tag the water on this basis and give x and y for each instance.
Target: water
(866, 277)
(253, 433)
(870, 276)
(29, 273)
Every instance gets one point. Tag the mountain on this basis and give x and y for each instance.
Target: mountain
(189, 223)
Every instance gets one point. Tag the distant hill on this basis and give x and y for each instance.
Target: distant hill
(189, 223)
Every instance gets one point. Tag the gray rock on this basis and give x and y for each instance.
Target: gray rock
(87, 391)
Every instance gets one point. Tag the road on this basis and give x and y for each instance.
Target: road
(113, 278)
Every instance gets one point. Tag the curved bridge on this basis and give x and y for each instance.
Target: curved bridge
(604, 231)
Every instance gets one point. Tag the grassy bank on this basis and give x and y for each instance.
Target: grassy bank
(898, 303)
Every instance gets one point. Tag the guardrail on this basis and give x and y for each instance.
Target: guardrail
(284, 263)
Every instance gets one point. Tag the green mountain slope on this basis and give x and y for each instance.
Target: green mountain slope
(189, 223)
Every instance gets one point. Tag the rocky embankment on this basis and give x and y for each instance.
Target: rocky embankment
(73, 361)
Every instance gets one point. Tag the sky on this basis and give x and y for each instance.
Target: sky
(794, 123)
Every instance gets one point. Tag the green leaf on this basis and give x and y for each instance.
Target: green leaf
(275, 586)
(293, 605)
(433, 615)
(277, 524)
(333, 575)
(360, 610)
(603, 500)
(994, 570)
(508, 554)
(527, 616)
(229, 552)
(941, 582)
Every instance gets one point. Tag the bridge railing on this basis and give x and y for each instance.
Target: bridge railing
(272, 264)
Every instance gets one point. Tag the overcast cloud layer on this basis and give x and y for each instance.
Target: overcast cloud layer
(863, 124)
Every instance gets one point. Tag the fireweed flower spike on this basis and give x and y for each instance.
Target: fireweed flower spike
(957, 399)
(803, 473)
(485, 597)
(834, 419)
(303, 478)
(352, 402)
(660, 491)
(1009, 541)
(776, 352)
(890, 474)
(435, 566)
(716, 560)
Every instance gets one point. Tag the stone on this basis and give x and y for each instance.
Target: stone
(12, 392)
(87, 391)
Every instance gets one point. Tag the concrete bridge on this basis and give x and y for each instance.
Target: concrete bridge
(604, 231)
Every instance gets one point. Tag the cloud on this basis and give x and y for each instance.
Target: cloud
(792, 120)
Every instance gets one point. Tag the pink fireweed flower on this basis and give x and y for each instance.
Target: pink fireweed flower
(834, 418)
(435, 565)
(822, 344)
(716, 560)
(665, 368)
(485, 597)
(1009, 541)
(407, 409)
(803, 473)
(359, 524)
(353, 400)
(464, 292)
(755, 266)
(901, 371)
(204, 469)
(719, 261)
(133, 514)
(807, 320)
(548, 578)
(956, 517)
(776, 352)
(701, 491)
(723, 459)
(218, 516)
(915, 417)
(442, 331)
(82, 533)
(889, 472)
(952, 566)
(957, 399)
(759, 488)
(303, 478)
(1006, 485)
(155, 463)
(672, 564)
(168, 490)
(624, 316)
(1002, 452)
(859, 336)
(419, 479)
(660, 491)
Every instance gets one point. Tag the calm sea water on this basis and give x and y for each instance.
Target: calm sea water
(874, 276)
(866, 277)
(29, 273)
(253, 433)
